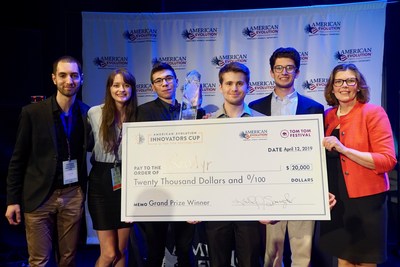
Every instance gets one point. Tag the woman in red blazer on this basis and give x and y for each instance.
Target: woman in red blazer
(360, 153)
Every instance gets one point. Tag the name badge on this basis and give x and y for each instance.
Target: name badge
(116, 178)
(70, 171)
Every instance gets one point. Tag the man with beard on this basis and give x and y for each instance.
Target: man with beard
(47, 174)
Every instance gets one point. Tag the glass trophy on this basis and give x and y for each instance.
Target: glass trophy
(190, 96)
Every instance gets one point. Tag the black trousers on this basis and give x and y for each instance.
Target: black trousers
(149, 241)
(241, 236)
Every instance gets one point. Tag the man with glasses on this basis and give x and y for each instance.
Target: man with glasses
(165, 107)
(284, 100)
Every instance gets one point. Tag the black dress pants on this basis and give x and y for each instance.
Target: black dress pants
(244, 237)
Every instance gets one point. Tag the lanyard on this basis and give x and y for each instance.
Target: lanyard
(116, 147)
(67, 124)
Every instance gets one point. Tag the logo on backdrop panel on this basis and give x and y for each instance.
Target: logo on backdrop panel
(200, 34)
(146, 35)
(221, 60)
(261, 32)
(144, 90)
(315, 84)
(110, 62)
(303, 57)
(177, 62)
(209, 89)
(351, 55)
(323, 28)
(261, 87)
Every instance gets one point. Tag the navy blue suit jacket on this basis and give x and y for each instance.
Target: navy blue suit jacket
(305, 105)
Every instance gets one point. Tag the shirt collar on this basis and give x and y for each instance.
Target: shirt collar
(290, 96)
(222, 114)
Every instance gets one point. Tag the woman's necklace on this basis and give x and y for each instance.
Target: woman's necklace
(338, 112)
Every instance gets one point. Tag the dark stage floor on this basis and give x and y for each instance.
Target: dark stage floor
(13, 245)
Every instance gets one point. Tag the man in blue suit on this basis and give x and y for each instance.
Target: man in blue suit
(284, 100)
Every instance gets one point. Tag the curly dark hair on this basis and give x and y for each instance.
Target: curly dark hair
(286, 52)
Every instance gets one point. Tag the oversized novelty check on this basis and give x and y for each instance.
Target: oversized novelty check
(255, 168)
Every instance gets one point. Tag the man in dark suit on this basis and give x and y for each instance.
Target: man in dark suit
(165, 107)
(47, 175)
(284, 100)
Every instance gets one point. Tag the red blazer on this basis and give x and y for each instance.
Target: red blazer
(365, 128)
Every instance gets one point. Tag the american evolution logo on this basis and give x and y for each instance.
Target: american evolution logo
(303, 57)
(200, 34)
(315, 84)
(254, 134)
(220, 61)
(261, 87)
(144, 89)
(110, 62)
(261, 32)
(177, 62)
(354, 54)
(140, 35)
(323, 28)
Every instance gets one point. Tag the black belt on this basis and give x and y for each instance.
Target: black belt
(66, 185)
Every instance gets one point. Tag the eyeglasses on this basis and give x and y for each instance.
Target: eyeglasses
(288, 68)
(349, 82)
(168, 79)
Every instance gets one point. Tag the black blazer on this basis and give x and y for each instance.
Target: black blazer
(156, 111)
(305, 105)
(33, 163)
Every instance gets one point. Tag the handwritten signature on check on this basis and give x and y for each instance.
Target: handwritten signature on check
(264, 201)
